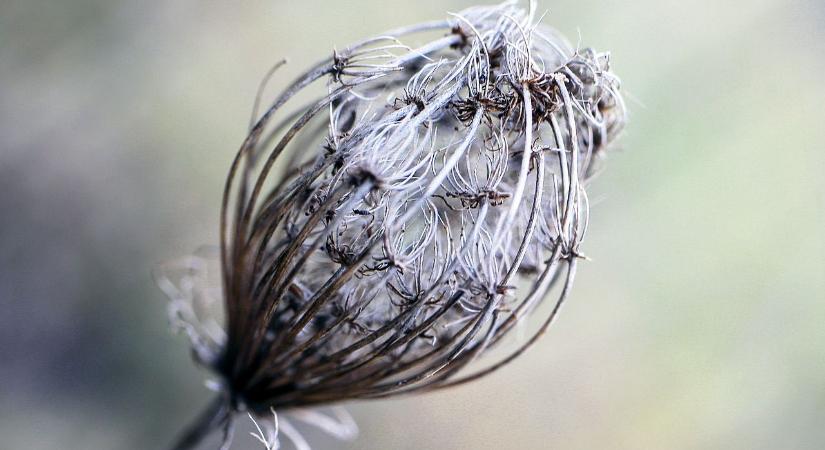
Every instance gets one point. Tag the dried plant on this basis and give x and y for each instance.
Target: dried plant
(445, 200)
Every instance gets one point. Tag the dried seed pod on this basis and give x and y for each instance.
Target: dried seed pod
(434, 196)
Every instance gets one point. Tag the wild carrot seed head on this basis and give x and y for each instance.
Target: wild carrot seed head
(448, 198)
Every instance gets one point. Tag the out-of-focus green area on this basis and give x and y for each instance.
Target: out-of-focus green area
(699, 323)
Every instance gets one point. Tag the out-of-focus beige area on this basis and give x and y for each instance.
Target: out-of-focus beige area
(698, 324)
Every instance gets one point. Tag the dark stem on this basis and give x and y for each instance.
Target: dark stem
(214, 417)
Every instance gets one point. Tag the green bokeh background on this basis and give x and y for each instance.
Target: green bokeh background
(699, 323)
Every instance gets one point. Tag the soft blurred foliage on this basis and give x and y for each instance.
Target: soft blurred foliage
(699, 323)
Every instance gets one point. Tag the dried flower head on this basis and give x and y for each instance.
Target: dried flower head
(432, 198)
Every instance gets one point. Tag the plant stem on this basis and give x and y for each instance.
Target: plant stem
(213, 417)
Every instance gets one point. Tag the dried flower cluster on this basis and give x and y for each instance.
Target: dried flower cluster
(431, 199)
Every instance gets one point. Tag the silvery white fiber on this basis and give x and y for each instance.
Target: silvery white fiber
(448, 198)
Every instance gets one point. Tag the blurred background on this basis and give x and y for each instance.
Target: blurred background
(699, 324)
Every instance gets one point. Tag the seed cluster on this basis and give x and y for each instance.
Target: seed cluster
(447, 199)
